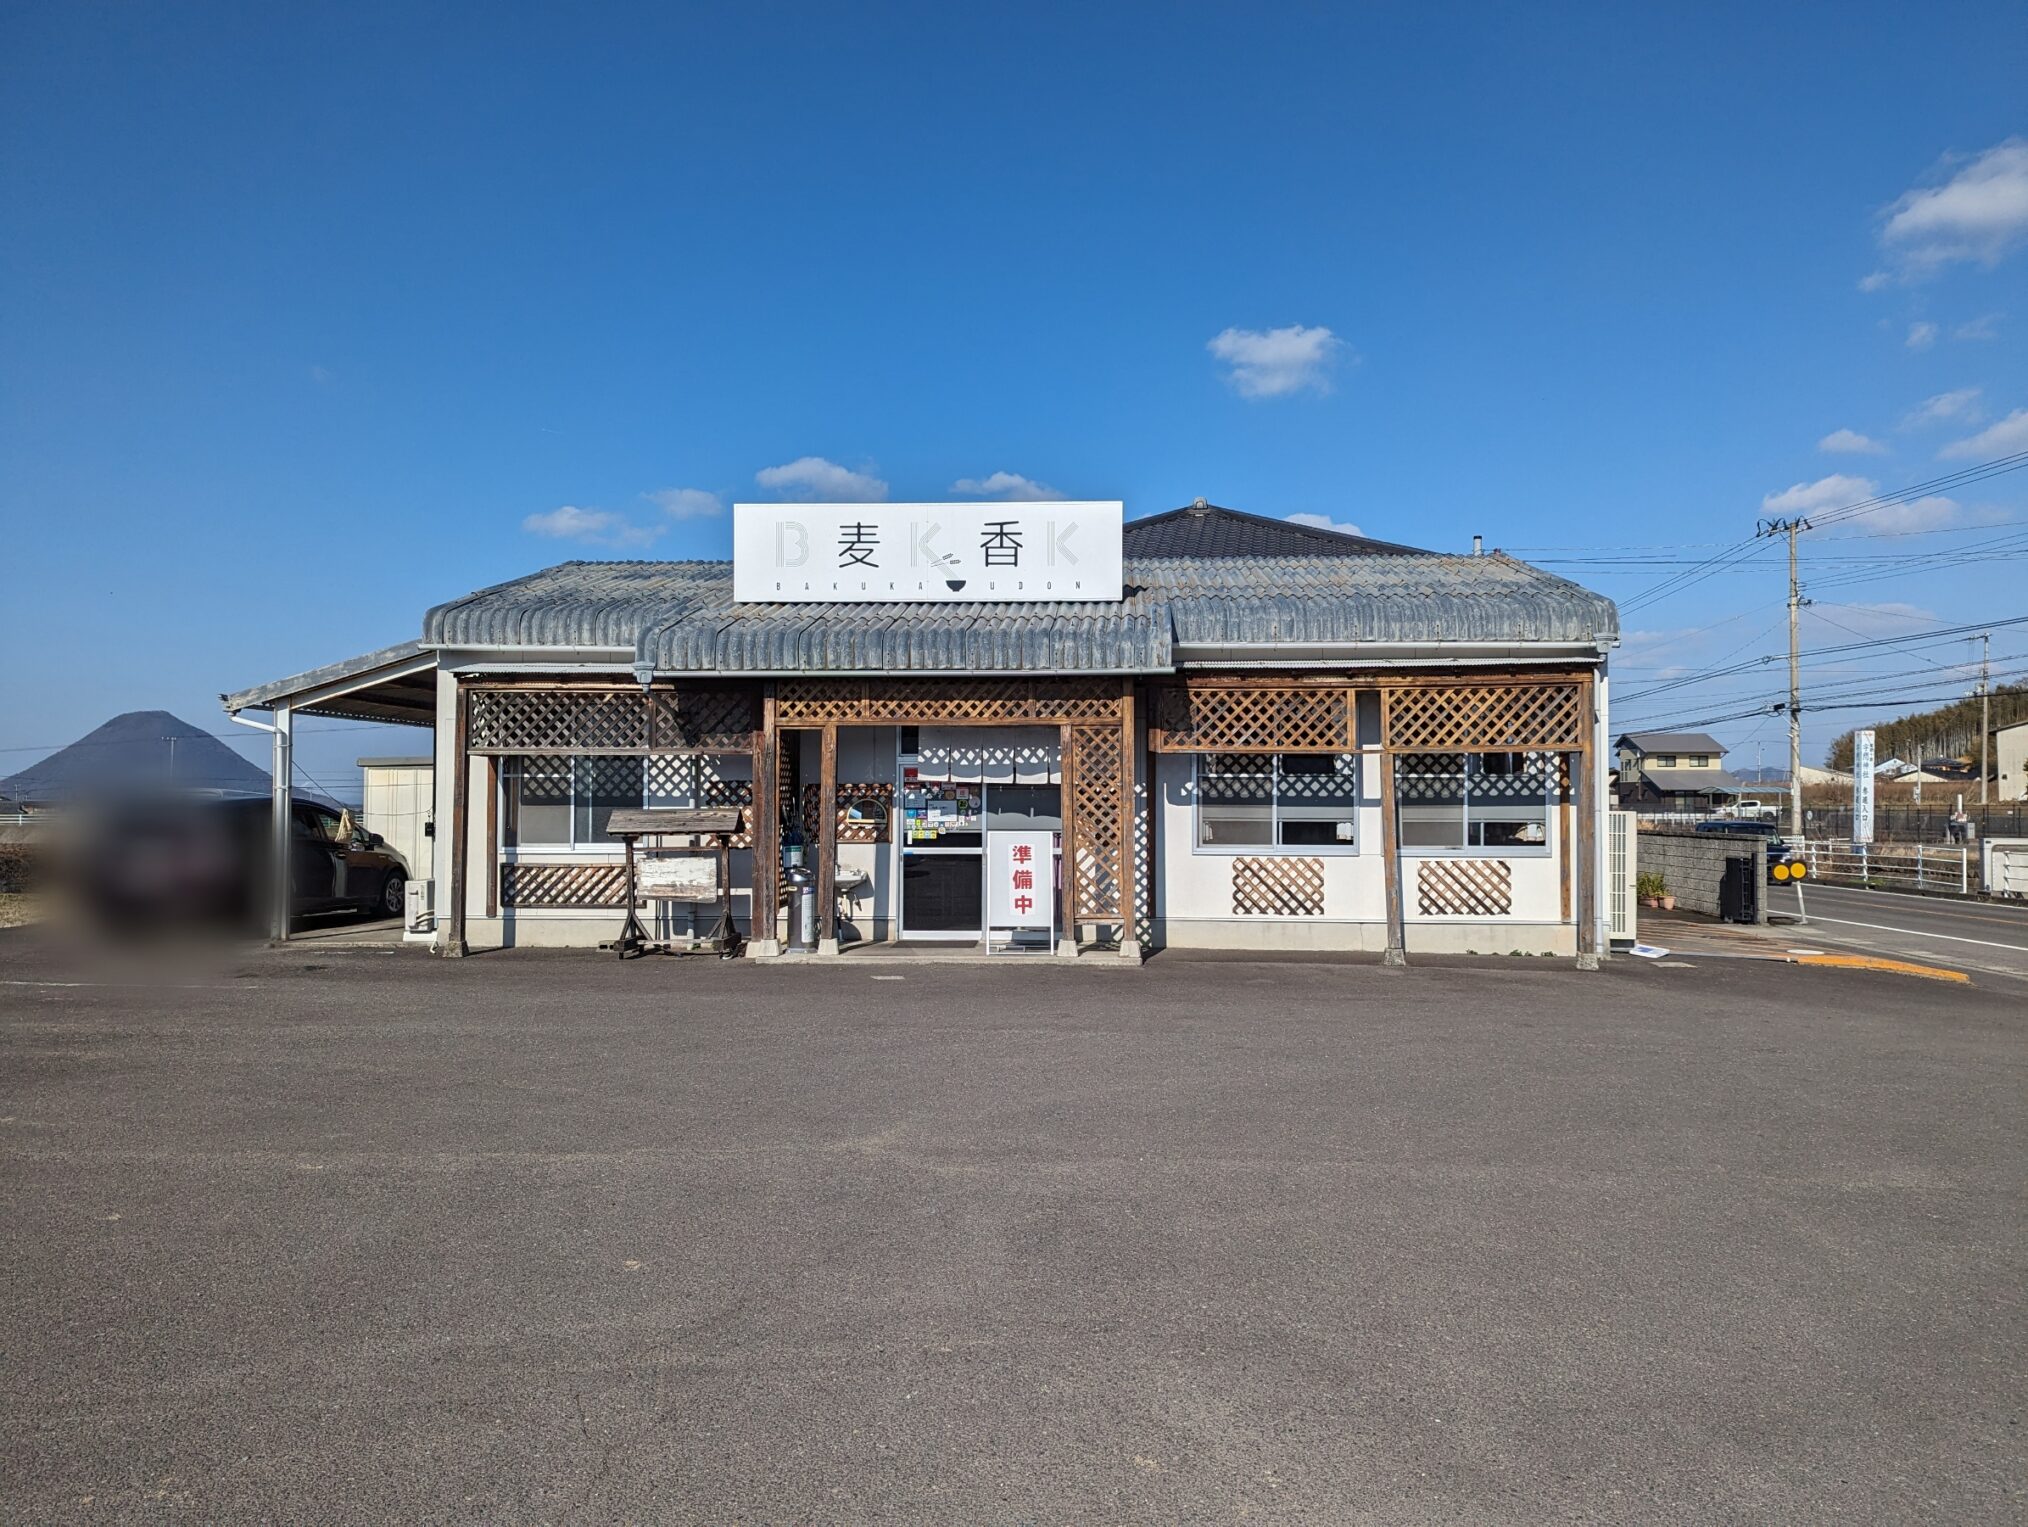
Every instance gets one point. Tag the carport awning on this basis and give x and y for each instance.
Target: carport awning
(396, 684)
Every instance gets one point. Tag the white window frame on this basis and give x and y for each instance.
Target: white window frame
(1256, 850)
(1499, 851)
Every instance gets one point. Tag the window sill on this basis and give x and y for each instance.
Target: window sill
(1274, 850)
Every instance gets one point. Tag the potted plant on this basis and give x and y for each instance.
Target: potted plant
(1648, 886)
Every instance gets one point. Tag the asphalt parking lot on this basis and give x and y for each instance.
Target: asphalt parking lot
(364, 1236)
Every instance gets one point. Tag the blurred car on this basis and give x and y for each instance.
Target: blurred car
(182, 860)
(1785, 861)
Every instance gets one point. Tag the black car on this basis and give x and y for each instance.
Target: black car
(1785, 860)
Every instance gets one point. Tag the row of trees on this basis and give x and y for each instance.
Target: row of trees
(1949, 731)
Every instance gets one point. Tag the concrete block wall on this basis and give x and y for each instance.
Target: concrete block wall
(1692, 865)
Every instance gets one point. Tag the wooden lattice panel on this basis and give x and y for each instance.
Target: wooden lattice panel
(954, 701)
(1252, 719)
(1278, 886)
(1096, 769)
(733, 792)
(805, 702)
(563, 885)
(722, 720)
(1480, 718)
(531, 720)
(862, 830)
(1464, 888)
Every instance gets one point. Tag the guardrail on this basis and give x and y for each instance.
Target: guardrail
(1920, 867)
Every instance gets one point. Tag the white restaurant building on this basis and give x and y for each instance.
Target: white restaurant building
(1236, 732)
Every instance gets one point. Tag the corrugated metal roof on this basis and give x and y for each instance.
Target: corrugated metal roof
(680, 616)
(259, 696)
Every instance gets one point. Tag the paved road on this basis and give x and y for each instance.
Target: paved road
(1988, 938)
(360, 1236)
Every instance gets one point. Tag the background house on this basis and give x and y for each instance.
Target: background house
(1672, 771)
(2010, 760)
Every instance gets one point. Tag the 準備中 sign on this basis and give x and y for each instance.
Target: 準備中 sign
(1020, 880)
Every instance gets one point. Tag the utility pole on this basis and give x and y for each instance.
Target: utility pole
(1985, 715)
(1796, 602)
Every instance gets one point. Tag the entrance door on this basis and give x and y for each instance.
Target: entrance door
(943, 861)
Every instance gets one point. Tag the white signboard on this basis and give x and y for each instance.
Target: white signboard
(1020, 880)
(1862, 786)
(948, 553)
(677, 877)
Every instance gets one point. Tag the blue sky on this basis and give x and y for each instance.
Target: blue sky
(312, 313)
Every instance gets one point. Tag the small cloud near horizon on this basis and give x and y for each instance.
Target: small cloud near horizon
(686, 503)
(1325, 522)
(812, 479)
(1841, 489)
(1849, 442)
(594, 527)
(1921, 336)
(1962, 403)
(2002, 438)
(1009, 486)
(1273, 363)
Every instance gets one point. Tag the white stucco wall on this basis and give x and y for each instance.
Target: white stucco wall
(1194, 902)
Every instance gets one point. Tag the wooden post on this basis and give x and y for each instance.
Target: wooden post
(461, 814)
(1066, 941)
(1390, 843)
(1130, 880)
(766, 828)
(827, 842)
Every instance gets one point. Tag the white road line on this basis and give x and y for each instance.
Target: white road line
(1918, 933)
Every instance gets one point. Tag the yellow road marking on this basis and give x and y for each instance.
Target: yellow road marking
(1871, 962)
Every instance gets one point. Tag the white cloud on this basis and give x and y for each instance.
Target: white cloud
(1874, 281)
(1006, 485)
(595, 527)
(686, 503)
(1325, 522)
(1986, 326)
(1273, 363)
(1921, 336)
(1814, 497)
(1961, 404)
(812, 479)
(1804, 499)
(1979, 214)
(1849, 442)
(323, 376)
(2003, 438)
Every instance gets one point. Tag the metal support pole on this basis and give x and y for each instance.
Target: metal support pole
(1390, 862)
(281, 828)
(461, 810)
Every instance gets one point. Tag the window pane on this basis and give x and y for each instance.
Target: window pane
(1235, 800)
(538, 803)
(1317, 798)
(601, 786)
(1510, 800)
(1429, 792)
